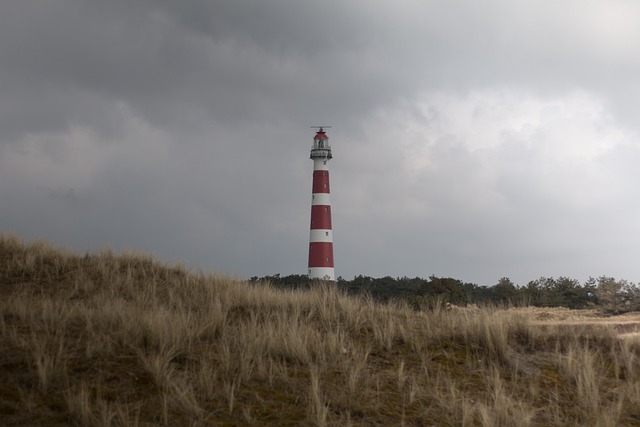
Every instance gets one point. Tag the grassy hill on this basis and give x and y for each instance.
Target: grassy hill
(111, 339)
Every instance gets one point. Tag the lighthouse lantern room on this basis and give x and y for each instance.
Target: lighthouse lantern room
(321, 235)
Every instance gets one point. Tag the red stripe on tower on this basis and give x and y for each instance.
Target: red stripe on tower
(321, 236)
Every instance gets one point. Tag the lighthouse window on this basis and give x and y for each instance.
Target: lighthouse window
(327, 259)
(326, 233)
(325, 186)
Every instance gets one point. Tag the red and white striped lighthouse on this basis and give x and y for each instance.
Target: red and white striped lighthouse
(321, 235)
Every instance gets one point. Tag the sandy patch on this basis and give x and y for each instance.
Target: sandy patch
(627, 325)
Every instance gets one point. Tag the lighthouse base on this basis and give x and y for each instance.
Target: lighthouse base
(322, 273)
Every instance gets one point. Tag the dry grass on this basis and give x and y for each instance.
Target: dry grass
(111, 340)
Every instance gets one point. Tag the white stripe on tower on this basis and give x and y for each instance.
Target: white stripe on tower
(321, 235)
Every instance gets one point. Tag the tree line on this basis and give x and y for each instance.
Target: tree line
(607, 293)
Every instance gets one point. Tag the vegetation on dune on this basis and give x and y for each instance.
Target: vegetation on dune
(609, 295)
(111, 339)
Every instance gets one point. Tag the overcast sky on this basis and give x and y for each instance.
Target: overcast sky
(475, 140)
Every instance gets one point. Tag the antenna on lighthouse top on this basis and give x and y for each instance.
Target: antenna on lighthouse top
(320, 128)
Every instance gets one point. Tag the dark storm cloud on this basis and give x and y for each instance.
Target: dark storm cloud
(220, 61)
(227, 60)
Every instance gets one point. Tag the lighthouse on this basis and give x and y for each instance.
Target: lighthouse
(321, 235)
